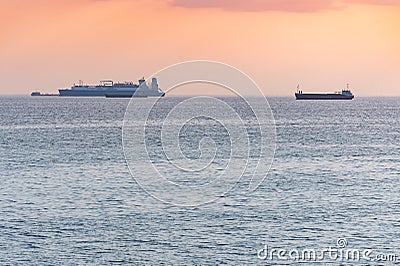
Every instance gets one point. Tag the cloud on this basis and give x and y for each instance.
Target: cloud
(277, 5)
(376, 2)
(258, 5)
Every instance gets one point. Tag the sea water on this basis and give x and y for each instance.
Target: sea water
(67, 196)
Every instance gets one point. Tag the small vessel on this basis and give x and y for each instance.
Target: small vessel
(344, 94)
(107, 88)
(37, 93)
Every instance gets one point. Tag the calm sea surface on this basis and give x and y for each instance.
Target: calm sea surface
(67, 196)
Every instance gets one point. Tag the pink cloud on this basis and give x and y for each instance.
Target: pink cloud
(277, 5)
(376, 2)
(258, 5)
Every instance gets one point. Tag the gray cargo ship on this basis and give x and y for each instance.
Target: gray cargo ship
(107, 88)
(345, 94)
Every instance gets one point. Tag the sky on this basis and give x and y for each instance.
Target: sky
(321, 44)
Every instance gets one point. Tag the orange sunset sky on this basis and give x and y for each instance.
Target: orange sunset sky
(321, 44)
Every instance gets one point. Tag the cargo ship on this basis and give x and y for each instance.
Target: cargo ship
(107, 88)
(344, 94)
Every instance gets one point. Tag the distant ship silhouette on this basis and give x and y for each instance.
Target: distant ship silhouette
(345, 94)
(111, 89)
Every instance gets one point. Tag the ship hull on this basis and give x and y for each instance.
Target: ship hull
(318, 96)
(91, 93)
(123, 96)
(130, 95)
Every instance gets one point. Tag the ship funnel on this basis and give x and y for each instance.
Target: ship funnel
(154, 84)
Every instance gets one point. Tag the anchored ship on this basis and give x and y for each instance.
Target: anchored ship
(38, 93)
(344, 94)
(107, 88)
